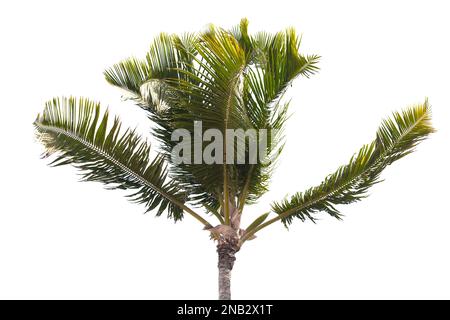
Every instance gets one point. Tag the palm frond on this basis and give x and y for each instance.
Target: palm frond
(276, 63)
(399, 135)
(396, 138)
(215, 99)
(144, 80)
(226, 80)
(79, 135)
(129, 75)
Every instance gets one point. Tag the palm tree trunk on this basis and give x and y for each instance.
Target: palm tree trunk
(226, 253)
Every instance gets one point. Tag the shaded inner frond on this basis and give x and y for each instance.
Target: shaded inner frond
(226, 80)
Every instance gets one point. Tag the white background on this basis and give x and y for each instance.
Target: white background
(60, 238)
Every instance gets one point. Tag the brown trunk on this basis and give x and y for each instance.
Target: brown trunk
(226, 252)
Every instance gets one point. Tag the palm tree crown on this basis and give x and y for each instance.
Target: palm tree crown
(225, 79)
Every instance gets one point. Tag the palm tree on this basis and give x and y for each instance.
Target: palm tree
(227, 79)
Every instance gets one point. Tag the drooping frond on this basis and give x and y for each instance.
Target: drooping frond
(79, 135)
(129, 75)
(144, 80)
(396, 138)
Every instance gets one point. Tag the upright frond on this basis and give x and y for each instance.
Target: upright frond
(226, 80)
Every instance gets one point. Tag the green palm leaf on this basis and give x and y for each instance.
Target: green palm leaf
(276, 62)
(129, 75)
(226, 80)
(79, 135)
(396, 138)
(206, 83)
(144, 80)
